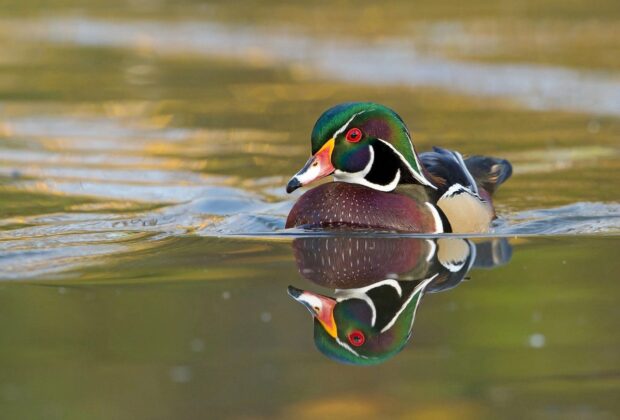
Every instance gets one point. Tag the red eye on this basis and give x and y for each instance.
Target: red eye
(354, 135)
(357, 338)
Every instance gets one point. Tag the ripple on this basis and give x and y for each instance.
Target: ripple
(390, 62)
(578, 218)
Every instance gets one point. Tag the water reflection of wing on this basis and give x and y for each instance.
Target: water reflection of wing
(458, 256)
(493, 253)
(453, 260)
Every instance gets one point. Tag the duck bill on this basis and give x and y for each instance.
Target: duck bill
(317, 167)
(321, 307)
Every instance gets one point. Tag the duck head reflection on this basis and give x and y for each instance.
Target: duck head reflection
(378, 285)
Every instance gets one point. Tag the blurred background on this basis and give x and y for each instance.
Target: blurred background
(144, 149)
(116, 105)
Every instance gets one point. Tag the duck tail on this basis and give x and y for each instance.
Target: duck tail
(489, 172)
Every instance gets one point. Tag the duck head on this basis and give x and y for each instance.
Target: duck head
(363, 143)
(363, 326)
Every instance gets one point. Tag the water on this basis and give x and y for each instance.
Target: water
(145, 264)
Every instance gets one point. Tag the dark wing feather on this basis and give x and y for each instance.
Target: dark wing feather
(449, 166)
(481, 171)
(489, 172)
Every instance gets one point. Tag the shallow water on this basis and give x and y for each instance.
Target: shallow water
(143, 253)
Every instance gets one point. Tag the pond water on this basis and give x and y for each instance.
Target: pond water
(146, 271)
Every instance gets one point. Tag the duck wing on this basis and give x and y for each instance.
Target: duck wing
(451, 168)
(471, 174)
(489, 172)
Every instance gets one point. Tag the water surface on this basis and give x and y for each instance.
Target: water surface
(143, 256)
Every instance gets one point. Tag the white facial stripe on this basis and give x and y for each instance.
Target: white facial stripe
(344, 293)
(341, 176)
(415, 156)
(309, 175)
(417, 175)
(355, 176)
(423, 287)
(360, 177)
(419, 289)
(346, 346)
(424, 283)
(438, 223)
(360, 293)
(311, 300)
(316, 304)
(385, 188)
(344, 127)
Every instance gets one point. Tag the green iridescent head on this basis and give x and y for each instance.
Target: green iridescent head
(364, 326)
(363, 143)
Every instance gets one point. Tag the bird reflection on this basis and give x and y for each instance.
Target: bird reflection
(378, 284)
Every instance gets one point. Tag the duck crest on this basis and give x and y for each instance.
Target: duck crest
(392, 151)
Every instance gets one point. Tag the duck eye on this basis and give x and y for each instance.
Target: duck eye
(354, 135)
(357, 338)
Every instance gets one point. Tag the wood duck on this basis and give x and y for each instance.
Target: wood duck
(383, 184)
(377, 290)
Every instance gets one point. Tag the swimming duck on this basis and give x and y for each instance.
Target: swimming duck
(382, 183)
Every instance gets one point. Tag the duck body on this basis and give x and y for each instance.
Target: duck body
(345, 205)
(383, 184)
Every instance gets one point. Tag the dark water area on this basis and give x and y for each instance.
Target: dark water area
(145, 271)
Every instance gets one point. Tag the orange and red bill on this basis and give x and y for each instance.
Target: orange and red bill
(317, 167)
(321, 307)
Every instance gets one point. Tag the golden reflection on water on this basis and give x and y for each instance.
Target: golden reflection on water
(115, 160)
(218, 123)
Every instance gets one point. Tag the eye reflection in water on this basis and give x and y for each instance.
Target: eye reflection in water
(377, 285)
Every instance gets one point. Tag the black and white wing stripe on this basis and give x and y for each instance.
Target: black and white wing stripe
(449, 165)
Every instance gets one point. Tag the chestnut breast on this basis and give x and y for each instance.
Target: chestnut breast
(346, 205)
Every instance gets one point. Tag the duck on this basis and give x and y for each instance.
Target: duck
(381, 183)
(378, 283)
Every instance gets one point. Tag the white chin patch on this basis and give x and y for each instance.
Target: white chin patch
(417, 175)
(359, 177)
(346, 177)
